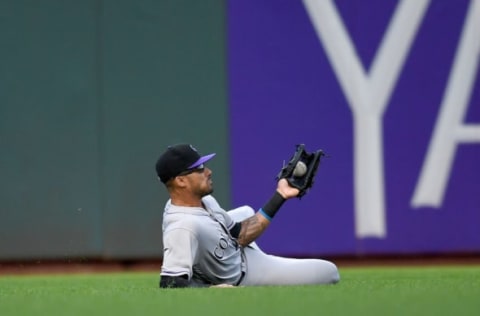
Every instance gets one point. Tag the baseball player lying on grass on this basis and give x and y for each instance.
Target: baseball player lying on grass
(206, 246)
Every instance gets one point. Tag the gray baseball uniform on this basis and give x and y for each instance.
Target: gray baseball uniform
(197, 243)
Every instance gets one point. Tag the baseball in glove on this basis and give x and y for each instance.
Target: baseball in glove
(301, 169)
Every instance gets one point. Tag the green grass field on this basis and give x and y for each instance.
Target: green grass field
(362, 291)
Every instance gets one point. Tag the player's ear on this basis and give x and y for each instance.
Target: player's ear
(179, 181)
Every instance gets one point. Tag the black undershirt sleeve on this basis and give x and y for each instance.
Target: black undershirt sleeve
(235, 230)
(174, 281)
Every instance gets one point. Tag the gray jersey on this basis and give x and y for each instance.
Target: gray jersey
(197, 243)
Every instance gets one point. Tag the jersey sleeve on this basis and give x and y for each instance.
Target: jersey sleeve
(179, 252)
(219, 212)
(229, 222)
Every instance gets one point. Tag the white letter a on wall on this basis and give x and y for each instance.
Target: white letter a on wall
(449, 130)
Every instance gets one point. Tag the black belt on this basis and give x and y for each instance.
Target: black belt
(241, 278)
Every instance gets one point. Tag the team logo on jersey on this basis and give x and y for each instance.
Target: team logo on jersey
(219, 251)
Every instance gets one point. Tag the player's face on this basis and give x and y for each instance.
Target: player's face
(200, 180)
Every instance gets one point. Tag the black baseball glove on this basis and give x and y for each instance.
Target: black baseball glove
(298, 176)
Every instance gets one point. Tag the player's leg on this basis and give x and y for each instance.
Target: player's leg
(264, 269)
(242, 213)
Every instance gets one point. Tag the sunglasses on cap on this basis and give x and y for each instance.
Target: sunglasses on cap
(199, 169)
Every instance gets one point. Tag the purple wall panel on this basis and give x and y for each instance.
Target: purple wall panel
(284, 91)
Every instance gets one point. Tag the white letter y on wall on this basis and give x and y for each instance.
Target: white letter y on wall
(368, 95)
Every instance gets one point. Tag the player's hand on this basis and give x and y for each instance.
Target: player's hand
(285, 190)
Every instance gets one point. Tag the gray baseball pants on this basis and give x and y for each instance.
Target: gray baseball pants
(265, 269)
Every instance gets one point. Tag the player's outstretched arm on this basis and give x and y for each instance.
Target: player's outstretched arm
(254, 226)
(285, 190)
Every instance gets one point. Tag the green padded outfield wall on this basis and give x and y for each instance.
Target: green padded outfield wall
(90, 93)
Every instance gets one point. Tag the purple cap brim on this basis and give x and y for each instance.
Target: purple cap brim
(203, 159)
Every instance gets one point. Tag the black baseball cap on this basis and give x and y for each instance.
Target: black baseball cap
(178, 158)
